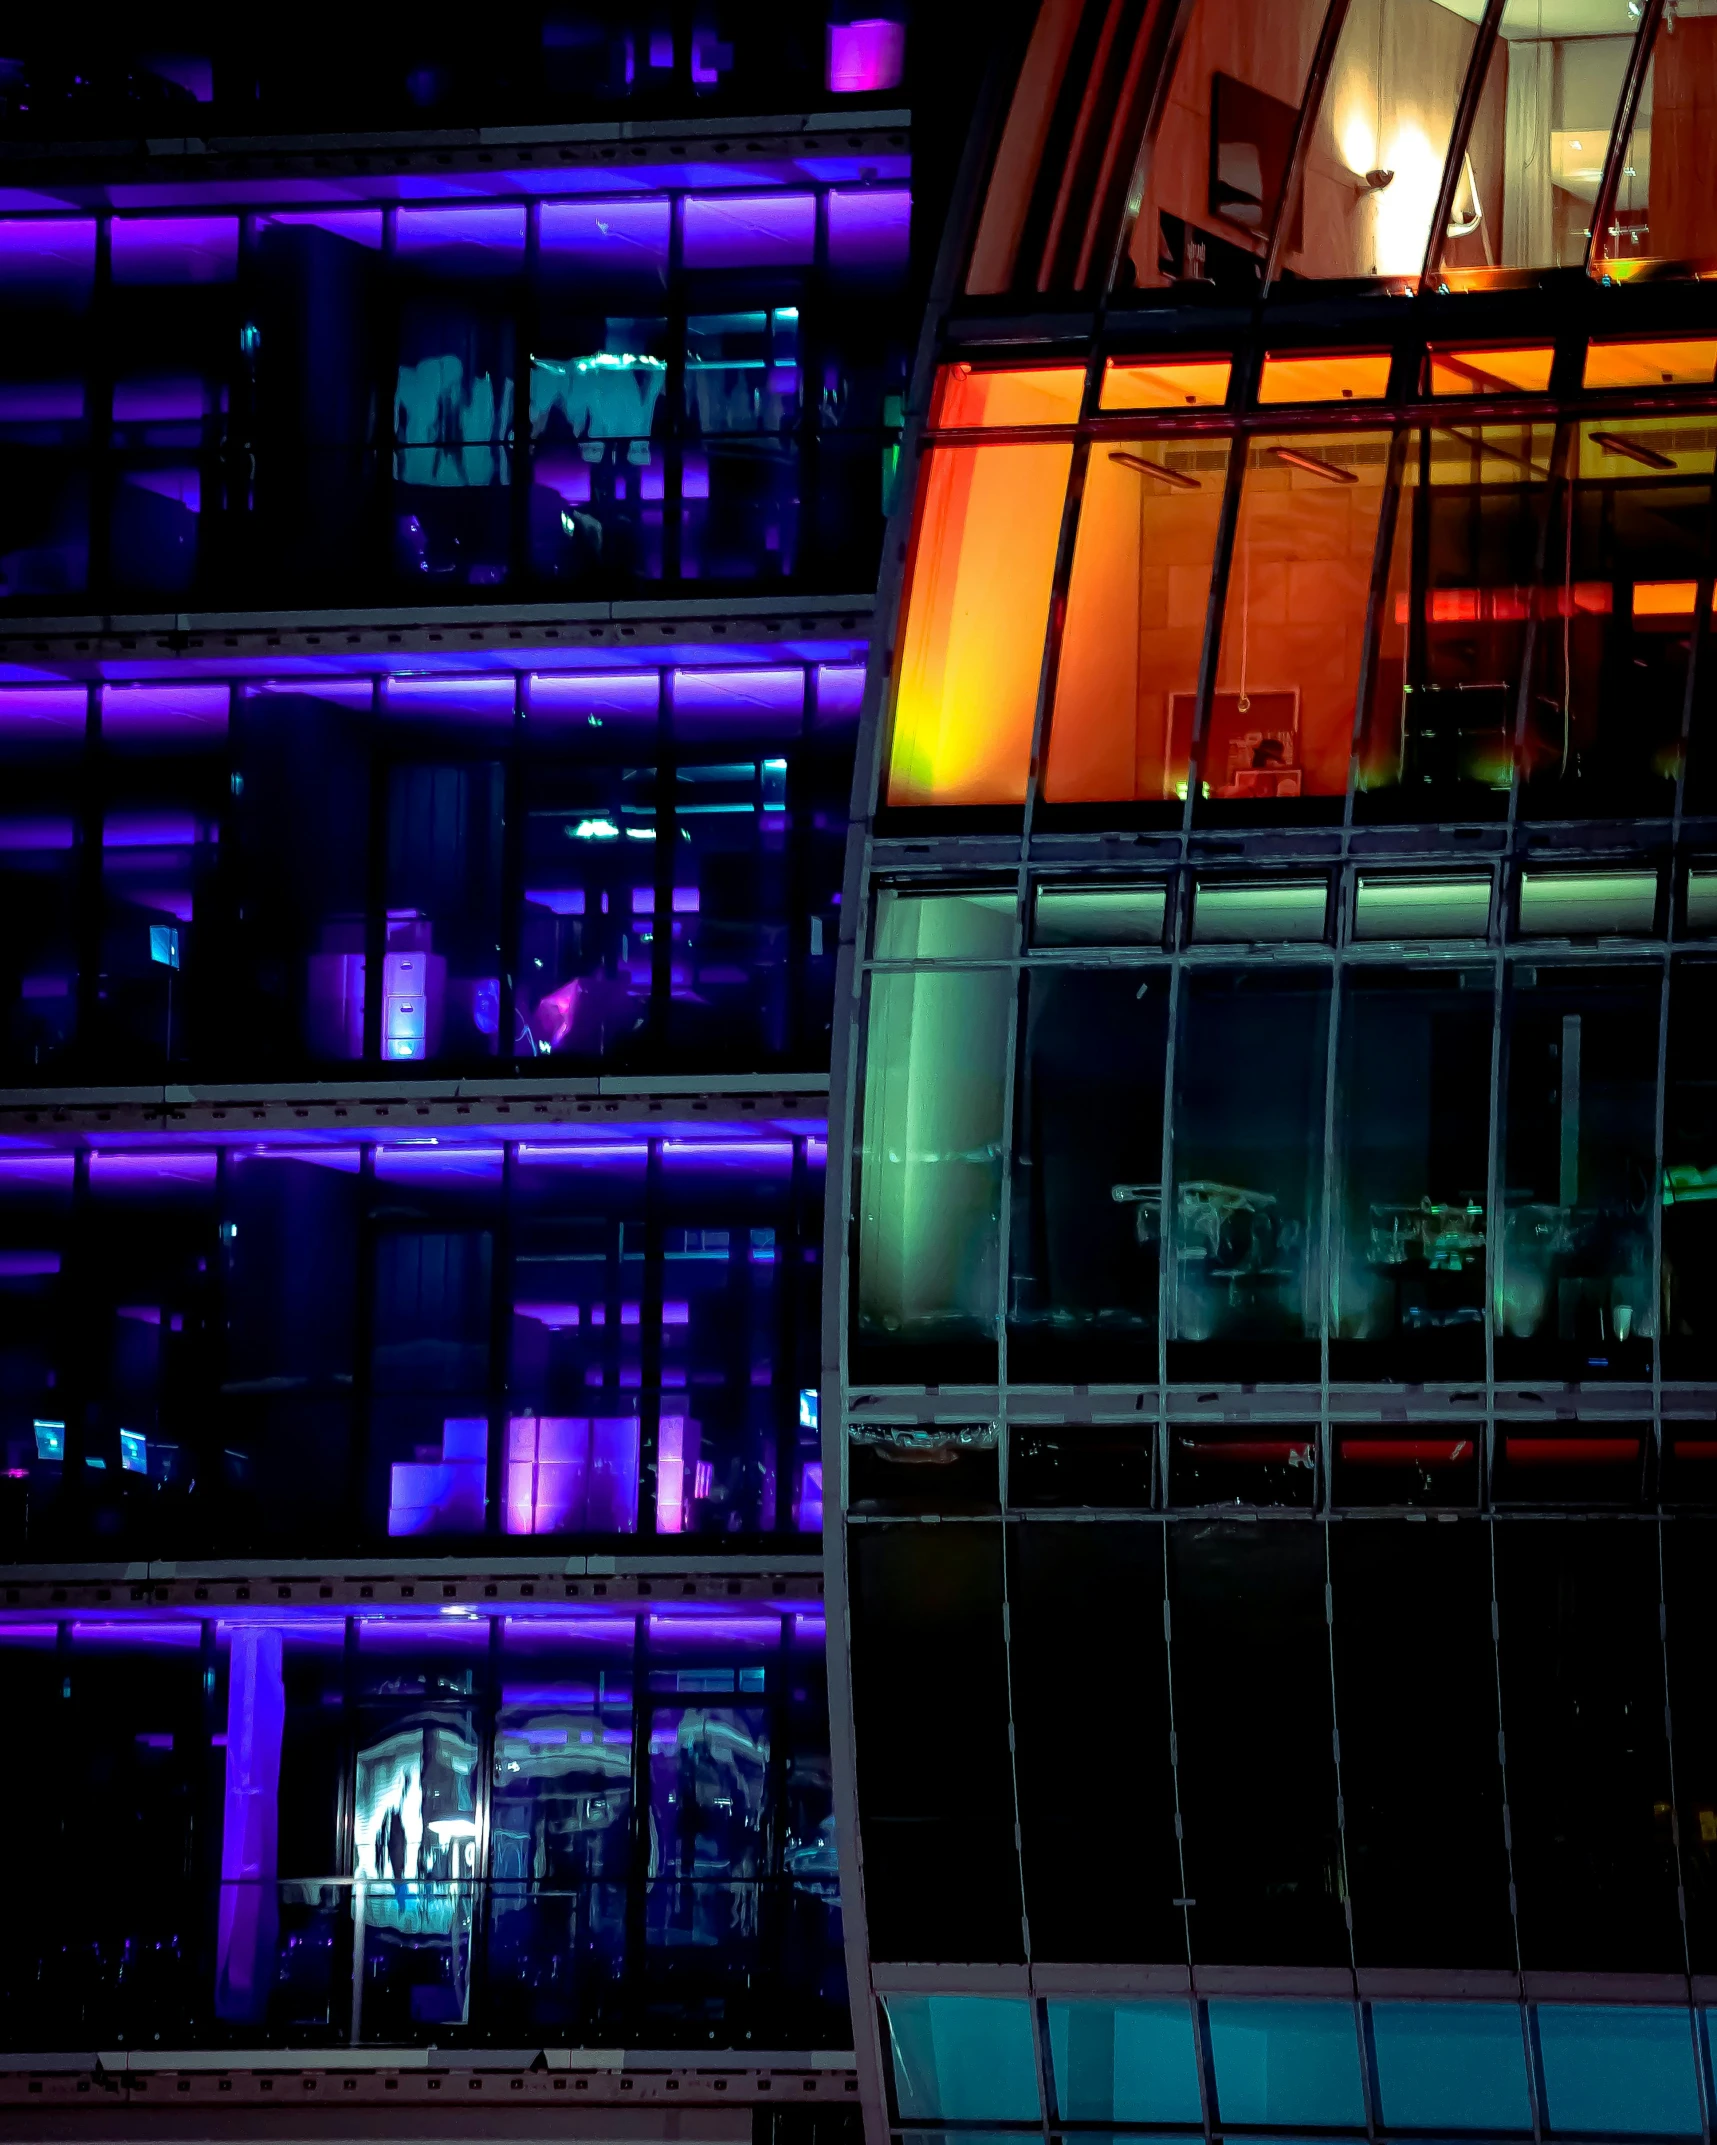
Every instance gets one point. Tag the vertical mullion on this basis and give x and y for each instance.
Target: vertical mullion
(1621, 134)
(1501, 1006)
(482, 1860)
(662, 876)
(525, 328)
(1061, 579)
(1221, 564)
(674, 397)
(1186, 1901)
(513, 825)
(1376, 604)
(795, 1014)
(500, 1344)
(1327, 1194)
(650, 1342)
(1340, 1802)
(376, 875)
(1460, 133)
(98, 416)
(637, 1861)
(92, 809)
(1305, 125)
(814, 305)
(355, 1530)
(387, 395)
(347, 1839)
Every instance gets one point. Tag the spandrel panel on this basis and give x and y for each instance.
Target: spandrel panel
(1439, 724)
(1604, 716)
(1689, 1342)
(1582, 1673)
(1579, 1172)
(1125, 2062)
(930, 1711)
(1127, 673)
(1413, 1148)
(1416, 1704)
(1069, 1710)
(1382, 136)
(1087, 1181)
(963, 2058)
(930, 1169)
(974, 616)
(1529, 180)
(1281, 721)
(1250, 1663)
(1451, 2066)
(1248, 1169)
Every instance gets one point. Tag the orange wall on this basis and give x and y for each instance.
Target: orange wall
(1684, 142)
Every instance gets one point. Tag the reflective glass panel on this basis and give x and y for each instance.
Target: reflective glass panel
(1136, 610)
(1087, 1182)
(967, 2058)
(975, 611)
(1125, 2062)
(1281, 722)
(1579, 1171)
(1286, 2062)
(1614, 2066)
(1662, 223)
(1248, 1167)
(1412, 1126)
(1451, 2066)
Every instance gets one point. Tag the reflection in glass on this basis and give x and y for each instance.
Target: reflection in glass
(1529, 182)
(1412, 1127)
(930, 1162)
(1281, 722)
(1248, 1162)
(1134, 631)
(1574, 1285)
(1087, 1182)
(1663, 222)
(415, 1861)
(1457, 614)
(1604, 719)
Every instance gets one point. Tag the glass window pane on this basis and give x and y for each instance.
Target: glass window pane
(1286, 2063)
(1690, 1174)
(976, 607)
(1421, 908)
(1235, 912)
(1690, 1603)
(1582, 1673)
(930, 1724)
(1064, 1583)
(968, 395)
(1136, 608)
(1125, 2062)
(966, 2058)
(1248, 1168)
(944, 927)
(930, 1167)
(1087, 1183)
(1579, 1172)
(1171, 384)
(1442, 710)
(1663, 222)
(1250, 1661)
(1616, 2068)
(597, 416)
(1413, 1136)
(1513, 368)
(1625, 558)
(1357, 376)
(1281, 722)
(1451, 2066)
(1100, 915)
(1215, 182)
(1529, 181)
(441, 971)
(1421, 1783)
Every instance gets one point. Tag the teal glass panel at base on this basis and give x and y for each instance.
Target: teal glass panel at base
(1125, 2062)
(963, 2058)
(1451, 2066)
(1294, 2063)
(1612, 2068)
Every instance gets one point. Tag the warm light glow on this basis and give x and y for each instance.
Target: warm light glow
(1186, 383)
(1685, 362)
(1359, 376)
(1522, 368)
(976, 609)
(1404, 208)
(967, 396)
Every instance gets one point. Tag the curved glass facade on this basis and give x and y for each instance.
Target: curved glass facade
(1273, 1378)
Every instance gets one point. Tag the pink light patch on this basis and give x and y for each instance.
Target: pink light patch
(865, 55)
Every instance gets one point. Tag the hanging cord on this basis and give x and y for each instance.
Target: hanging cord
(1244, 703)
(1568, 618)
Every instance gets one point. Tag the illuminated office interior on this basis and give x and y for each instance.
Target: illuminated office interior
(1273, 1367)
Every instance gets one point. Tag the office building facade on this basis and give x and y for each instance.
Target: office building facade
(1269, 1344)
(441, 492)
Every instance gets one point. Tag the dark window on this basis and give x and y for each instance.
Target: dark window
(1588, 1766)
(1416, 1705)
(1689, 1343)
(1091, 1704)
(1690, 1593)
(1251, 1667)
(930, 1709)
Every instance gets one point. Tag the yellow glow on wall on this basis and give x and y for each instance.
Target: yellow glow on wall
(977, 605)
(1521, 368)
(1353, 376)
(1685, 362)
(1184, 383)
(968, 396)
